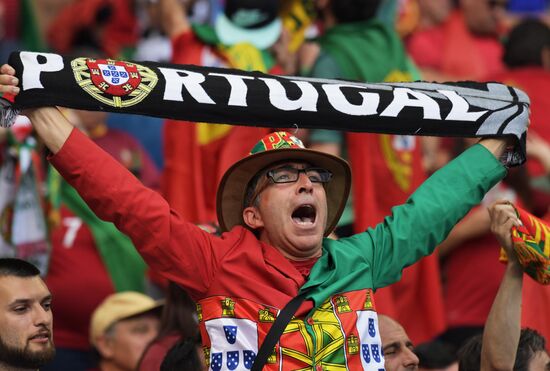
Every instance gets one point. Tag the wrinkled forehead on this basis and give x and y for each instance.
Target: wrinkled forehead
(296, 164)
(391, 331)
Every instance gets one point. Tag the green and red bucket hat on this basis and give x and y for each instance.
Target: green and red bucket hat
(275, 148)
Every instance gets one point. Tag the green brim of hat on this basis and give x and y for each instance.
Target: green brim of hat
(262, 38)
(232, 189)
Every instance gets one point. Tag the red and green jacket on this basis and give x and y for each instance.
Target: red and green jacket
(240, 283)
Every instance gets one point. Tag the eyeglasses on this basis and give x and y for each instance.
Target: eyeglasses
(288, 174)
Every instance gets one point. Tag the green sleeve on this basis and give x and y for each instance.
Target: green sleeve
(325, 67)
(415, 228)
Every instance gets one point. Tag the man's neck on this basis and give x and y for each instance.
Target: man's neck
(5, 367)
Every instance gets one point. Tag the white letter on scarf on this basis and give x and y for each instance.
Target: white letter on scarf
(192, 82)
(459, 108)
(32, 68)
(402, 98)
(338, 100)
(279, 98)
(237, 97)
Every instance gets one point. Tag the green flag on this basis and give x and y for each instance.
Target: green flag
(125, 266)
(31, 37)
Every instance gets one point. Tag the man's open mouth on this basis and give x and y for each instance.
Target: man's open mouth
(41, 336)
(304, 214)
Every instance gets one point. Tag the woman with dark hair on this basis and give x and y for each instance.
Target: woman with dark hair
(177, 323)
(184, 356)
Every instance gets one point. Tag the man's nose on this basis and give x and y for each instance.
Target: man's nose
(304, 183)
(41, 316)
(410, 359)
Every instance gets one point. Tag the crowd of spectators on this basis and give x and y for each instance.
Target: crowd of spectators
(93, 272)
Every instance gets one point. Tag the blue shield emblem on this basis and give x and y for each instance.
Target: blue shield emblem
(372, 328)
(403, 142)
(216, 361)
(232, 360)
(230, 334)
(365, 351)
(114, 75)
(248, 358)
(375, 350)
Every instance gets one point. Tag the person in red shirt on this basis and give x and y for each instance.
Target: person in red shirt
(276, 206)
(177, 323)
(527, 58)
(77, 260)
(504, 345)
(474, 26)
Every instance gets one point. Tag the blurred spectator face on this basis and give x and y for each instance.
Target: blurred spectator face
(397, 347)
(25, 323)
(483, 16)
(123, 344)
(539, 361)
(434, 11)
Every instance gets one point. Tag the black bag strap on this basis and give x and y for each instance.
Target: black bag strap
(276, 331)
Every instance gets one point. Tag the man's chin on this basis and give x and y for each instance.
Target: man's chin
(33, 356)
(309, 244)
(37, 348)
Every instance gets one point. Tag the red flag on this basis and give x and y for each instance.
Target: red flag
(196, 157)
(535, 82)
(386, 170)
(441, 48)
(535, 296)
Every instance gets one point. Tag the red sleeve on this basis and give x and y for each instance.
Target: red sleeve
(187, 48)
(150, 175)
(180, 251)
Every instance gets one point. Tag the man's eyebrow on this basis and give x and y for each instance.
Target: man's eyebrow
(27, 300)
(20, 301)
(391, 345)
(47, 297)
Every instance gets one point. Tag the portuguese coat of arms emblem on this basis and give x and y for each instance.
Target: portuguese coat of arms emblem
(115, 83)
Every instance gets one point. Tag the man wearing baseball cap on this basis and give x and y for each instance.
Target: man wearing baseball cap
(121, 327)
(276, 207)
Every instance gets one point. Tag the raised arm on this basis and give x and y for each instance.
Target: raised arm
(415, 228)
(179, 250)
(477, 222)
(174, 20)
(503, 327)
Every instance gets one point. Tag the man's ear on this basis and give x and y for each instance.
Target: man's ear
(104, 345)
(252, 217)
